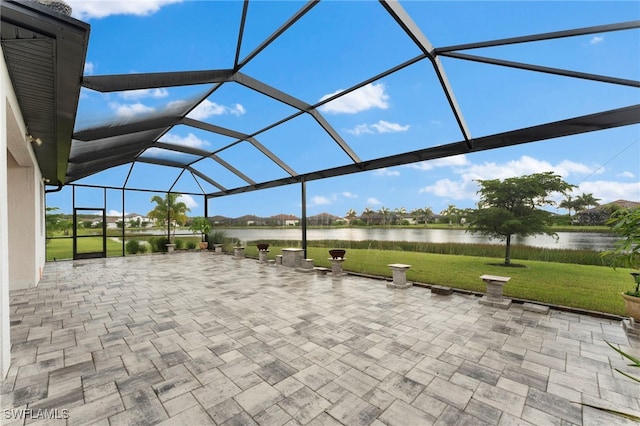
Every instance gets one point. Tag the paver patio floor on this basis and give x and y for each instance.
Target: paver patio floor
(197, 338)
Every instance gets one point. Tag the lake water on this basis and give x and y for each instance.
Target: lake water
(566, 240)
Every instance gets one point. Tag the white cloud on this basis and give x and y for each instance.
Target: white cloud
(360, 129)
(115, 213)
(466, 185)
(145, 93)
(379, 127)
(130, 110)
(596, 40)
(386, 127)
(188, 200)
(609, 191)
(453, 161)
(566, 168)
(87, 9)
(89, 68)
(626, 174)
(373, 202)
(457, 190)
(367, 97)
(189, 140)
(348, 194)
(207, 109)
(319, 200)
(386, 172)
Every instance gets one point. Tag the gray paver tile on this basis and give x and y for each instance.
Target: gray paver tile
(272, 346)
(554, 405)
(351, 410)
(304, 405)
(258, 398)
(400, 413)
(449, 393)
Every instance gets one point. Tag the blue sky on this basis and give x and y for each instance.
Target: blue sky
(338, 44)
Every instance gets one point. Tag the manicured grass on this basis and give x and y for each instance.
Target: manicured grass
(62, 248)
(595, 288)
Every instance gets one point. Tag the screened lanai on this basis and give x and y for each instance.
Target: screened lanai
(264, 104)
(246, 114)
(226, 98)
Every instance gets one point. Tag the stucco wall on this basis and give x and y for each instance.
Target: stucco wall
(22, 238)
(5, 342)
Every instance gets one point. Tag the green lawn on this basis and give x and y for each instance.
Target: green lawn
(595, 288)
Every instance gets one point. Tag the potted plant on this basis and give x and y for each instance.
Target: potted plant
(203, 226)
(625, 223)
(337, 253)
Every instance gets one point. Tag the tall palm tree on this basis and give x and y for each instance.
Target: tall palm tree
(384, 212)
(169, 208)
(398, 214)
(570, 203)
(367, 212)
(351, 214)
(428, 215)
(588, 200)
(450, 212)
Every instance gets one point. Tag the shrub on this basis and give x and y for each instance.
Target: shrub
(142, 248)
(159, 244)
(190, 245)
(217, 237)
(132, 246)
(179, 244)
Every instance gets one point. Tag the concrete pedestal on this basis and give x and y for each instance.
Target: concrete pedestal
(217, 248)
(292, 257)
(170, 248)
(238, 252)
(494, 291)
(399, 271)
(336, 266)
(262, 256)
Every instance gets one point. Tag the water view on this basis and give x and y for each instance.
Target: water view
(566, 240)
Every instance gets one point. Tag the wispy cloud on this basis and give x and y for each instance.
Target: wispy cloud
(130, 110)
(89, 68)
(188, 200)
(386, 172)
(367, 97)
(320, 200)
(381, 126)
(373, 202)
(87, 9)
(466, 186)
(596, 40)
(189, 140)
(145, 93)
(347, 194)
(207, 109)
(453, 161)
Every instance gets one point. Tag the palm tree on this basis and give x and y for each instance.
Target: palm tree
(450, 212)
(570, 204)
(351, 214)
(384, 212)
(398, 214)
(588, 200)
(367, 212)
(428, 215)
(169, 208)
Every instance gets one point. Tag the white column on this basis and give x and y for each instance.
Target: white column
(5, 340)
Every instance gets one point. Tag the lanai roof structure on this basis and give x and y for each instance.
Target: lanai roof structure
(293, 136)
